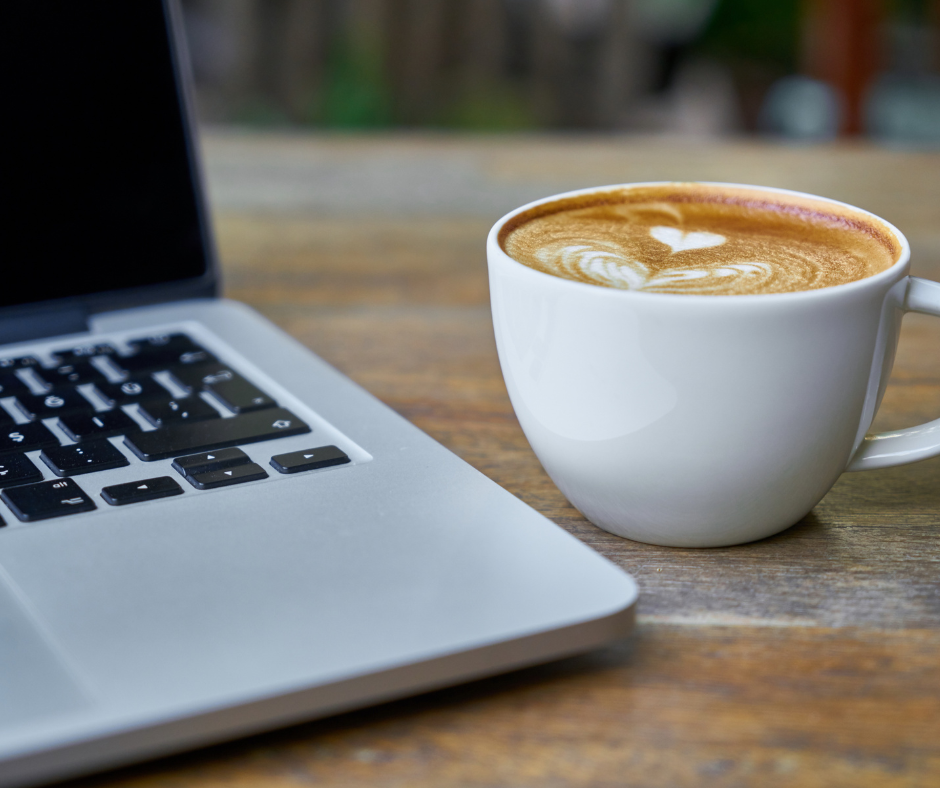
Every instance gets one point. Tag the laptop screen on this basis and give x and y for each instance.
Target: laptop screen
(99, 191)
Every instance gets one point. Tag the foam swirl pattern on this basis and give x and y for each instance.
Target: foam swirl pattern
(694, 239)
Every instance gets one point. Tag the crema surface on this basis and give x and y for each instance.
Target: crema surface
(701, 240)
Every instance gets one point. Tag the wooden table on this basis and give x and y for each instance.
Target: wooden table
(810, 659)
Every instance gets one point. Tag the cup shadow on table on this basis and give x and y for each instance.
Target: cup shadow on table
(892, 498)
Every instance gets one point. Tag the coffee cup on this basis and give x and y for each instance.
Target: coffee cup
(696, 419)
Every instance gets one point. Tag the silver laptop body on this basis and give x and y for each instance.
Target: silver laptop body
(131, 631)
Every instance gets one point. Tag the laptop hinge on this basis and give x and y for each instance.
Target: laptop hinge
(36, 324)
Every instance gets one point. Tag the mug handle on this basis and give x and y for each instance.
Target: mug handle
(884, 449)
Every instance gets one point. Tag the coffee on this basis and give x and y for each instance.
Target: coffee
(701, 240)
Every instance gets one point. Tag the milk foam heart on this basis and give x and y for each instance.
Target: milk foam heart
(681, 241)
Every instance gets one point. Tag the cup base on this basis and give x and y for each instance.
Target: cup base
(707, 539)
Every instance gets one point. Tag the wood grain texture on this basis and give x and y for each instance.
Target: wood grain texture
(808, 659)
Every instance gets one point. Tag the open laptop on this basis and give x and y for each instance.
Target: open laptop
(207, 531)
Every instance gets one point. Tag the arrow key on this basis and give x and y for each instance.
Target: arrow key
(309, 459)
(240, 473)
(138, 492)
(210, 461)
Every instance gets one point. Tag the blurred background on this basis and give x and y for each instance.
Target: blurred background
(803, 70)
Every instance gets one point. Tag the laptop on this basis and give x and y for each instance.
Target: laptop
(207, 531)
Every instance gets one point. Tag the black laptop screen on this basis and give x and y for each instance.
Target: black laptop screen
(98, 190)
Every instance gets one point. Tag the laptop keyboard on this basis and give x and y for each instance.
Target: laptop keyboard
(190, 407)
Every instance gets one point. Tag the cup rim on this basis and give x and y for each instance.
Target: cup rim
(889, 274)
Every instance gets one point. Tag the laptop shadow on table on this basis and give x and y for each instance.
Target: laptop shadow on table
(857, 500)
(278, 744)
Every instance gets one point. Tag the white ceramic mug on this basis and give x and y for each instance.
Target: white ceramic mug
(703, 420)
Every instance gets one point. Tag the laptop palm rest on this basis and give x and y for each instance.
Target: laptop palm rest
(35, 683)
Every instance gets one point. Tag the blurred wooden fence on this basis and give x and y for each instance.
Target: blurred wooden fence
(487, 63)
(510, 64)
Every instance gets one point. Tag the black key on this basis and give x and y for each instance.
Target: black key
(85, 457)
(308, 460)
(178, 350)
(19, 363)
(72, 374)
(138, 492)
(133, 390)
(239, 395)
(210, 461)
(41, 501)
(84, 352)
(26, 437)
(161, 343)
(240, 473)
(197, 376)
(177, 411)
(18, 469)
(6, 420)
(11, 385)
(173, 441)
(82, 426)
(56, 403)
(232, 389)
(154, 362)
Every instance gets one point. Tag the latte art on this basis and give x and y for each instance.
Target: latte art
(607, 267)
(701, 240)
